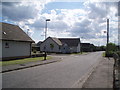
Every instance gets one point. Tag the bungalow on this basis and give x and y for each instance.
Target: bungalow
(14, 41)
(87, 47)
(61, 45)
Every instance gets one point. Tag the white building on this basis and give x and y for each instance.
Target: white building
(61, 45)
(15, 42)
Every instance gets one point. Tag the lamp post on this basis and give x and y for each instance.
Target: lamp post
(46, 37)
(46, 28)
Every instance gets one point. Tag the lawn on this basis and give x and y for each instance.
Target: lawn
(103, 54)
(80, 53)
(22, 61)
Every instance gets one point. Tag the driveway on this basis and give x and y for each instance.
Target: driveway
(63, 74)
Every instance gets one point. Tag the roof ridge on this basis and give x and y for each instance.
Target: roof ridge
(12, 32)
(8, 23)
(56, 40)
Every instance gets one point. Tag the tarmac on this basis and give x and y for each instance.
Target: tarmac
(100, 77)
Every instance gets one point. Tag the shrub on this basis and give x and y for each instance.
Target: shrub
(112, 48)
(118, 52)
(109, 54)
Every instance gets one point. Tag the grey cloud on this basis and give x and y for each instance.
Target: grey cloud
(18, 13)
(58, 25)
(10, 3)
(100, 10)
(119, 8)
(84, 23)
(60, 17)
(87, 28)
(54, 25)
(82, 27)
(97, 12)
(40, 23)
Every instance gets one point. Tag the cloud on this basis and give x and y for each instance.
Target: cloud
(18, 12)
(88, 21)
(22, 10)
(58, 25)
(39, 23)
(95, 10)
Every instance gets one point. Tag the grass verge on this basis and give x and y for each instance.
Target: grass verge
(22, 61)
(103, 54)
(79, 53)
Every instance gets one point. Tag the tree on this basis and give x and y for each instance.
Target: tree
(112, 47)
(52, 46)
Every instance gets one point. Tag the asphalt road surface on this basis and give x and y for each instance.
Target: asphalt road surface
(63, 74)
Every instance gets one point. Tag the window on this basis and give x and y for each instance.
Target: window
(59, 47)
(51, 46)
(44, 47)
(6, 45)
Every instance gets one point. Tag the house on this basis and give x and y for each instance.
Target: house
(87, 47)
(38, 45)
(61, 45)
(14, 41)
(35, 47)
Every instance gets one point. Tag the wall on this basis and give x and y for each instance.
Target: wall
(78, 48)
(15, 49)
(65, 49)
(47, 43)
(73, 49)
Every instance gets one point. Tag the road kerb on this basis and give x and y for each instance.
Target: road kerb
(82, 80)
(19, 68)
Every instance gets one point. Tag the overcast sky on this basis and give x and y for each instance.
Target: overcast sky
(86, 20)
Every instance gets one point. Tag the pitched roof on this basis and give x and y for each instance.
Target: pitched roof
(85, 43)
(13, 32)
(39, 43)
(57, 40)
(71, 42)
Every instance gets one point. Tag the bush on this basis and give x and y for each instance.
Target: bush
(118, 52)
(109, 54)
(112, 48)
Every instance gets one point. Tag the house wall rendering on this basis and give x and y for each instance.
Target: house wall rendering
(50, 46)
(15, 49)
(78, 48)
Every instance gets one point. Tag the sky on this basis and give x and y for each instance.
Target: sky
(68, 19)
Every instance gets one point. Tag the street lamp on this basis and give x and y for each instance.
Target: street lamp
(46, 28)
(46, 37)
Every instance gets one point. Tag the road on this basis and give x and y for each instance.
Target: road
(63, 74)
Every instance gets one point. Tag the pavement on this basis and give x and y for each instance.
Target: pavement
(28, 65)
(102, 76)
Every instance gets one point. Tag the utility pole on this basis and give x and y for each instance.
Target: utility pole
(107, 31)
(107, 36)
